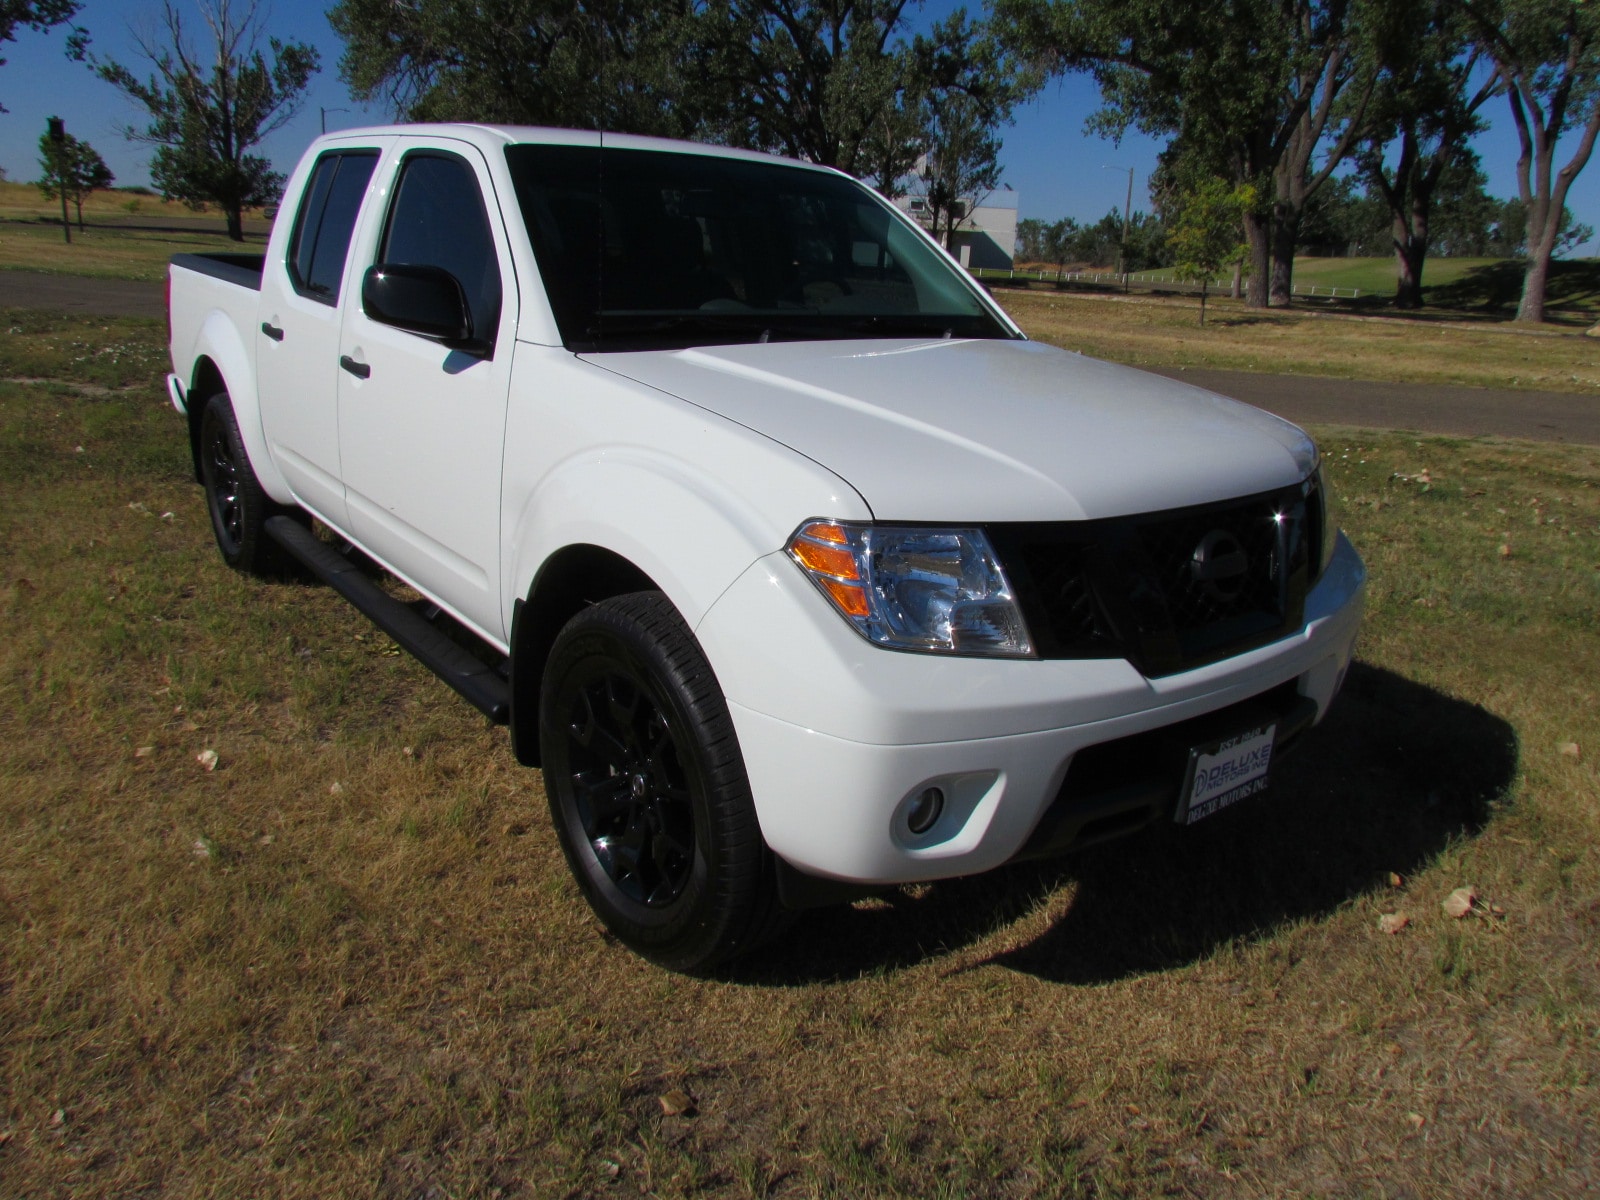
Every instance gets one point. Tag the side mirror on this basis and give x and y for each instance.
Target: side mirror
(427, 301)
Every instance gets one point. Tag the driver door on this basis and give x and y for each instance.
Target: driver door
(422, 426)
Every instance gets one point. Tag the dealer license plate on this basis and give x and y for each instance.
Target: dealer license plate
(1223, 773)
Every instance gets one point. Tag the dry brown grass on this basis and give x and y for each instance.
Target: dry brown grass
(252, 982)
(1154, 331)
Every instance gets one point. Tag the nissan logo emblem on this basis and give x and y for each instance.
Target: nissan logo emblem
(1219, 566)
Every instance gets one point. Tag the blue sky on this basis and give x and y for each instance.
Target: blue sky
(1057, 170)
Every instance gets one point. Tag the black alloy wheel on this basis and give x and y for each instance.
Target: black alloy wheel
(220, 467)
(647, 788)
(630, 787)
(238, 505)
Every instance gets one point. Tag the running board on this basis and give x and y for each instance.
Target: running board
(483, 687)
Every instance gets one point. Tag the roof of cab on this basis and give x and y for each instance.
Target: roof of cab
(495, 136)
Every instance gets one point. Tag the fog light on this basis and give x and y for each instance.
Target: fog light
(925, 810)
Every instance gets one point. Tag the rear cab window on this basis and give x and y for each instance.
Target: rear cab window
(326, 220)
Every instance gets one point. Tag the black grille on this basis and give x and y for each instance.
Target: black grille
(1168, 591)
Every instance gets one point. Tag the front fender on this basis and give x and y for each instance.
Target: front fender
(690, 532)
(688, 497)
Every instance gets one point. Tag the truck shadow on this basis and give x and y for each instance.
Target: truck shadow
(1396, 772)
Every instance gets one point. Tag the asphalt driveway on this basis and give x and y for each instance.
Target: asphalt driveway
(1304, 399)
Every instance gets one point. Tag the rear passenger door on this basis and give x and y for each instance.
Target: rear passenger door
(422, 426)
(298, 337)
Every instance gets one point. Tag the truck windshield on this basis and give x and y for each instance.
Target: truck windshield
(644, 249)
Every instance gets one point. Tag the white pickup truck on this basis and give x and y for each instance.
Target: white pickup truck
(797, 568)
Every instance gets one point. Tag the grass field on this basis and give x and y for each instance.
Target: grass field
(1378, 275)
(348, 961)
(1164, 332)
(127, 236)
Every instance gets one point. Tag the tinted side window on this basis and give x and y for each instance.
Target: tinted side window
(439, 220)
(326, 219)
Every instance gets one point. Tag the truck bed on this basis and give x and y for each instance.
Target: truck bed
(242, 269)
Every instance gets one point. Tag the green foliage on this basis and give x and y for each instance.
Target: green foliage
(839, 82)
(1237, 86)
(1205, 234)
(1206, 223)
(73, 168)
(206, 114)
(626, 65)
(1097, 245)
(965, 85)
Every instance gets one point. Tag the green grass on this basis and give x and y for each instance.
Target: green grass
(1455, 289)
(350, 962)
(1378, 275)
(1151, 331)
(127, 237)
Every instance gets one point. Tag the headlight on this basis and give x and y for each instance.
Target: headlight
(1319, 501)
(939, 590)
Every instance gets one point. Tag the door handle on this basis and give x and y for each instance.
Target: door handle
(359, 369)
(272, 331)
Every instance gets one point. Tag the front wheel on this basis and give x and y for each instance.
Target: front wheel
(647, 787)
(238, 506)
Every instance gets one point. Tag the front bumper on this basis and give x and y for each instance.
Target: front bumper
(840, 737)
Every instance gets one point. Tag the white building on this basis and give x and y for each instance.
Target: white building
(985, 235)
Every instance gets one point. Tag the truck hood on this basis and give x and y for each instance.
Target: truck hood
(985, 431)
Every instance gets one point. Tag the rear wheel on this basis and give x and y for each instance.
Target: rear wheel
(239, 507)
(647, 787)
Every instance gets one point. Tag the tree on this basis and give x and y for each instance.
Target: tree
(963, 163)
(1204, 234)
(967, 86)
(40, 15)
(1546, 55)
(205, 116)
(1463, 217)
(626, 65)
(1422, 112)
(72, 168)
(1245, 89)
(841, 82)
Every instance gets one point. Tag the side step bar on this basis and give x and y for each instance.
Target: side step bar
(479, 683)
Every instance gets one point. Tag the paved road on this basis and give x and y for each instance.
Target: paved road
(78, 294)
(1428, 408)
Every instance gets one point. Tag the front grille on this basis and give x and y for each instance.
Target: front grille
(1169, 591)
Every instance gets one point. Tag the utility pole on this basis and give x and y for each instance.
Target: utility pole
(1122, 264)
(58, 140)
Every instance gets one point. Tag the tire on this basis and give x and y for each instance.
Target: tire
(647, 787)
(238, 506)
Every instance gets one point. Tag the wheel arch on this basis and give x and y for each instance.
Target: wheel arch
(223, 362)
(205, 381)
(570, 580)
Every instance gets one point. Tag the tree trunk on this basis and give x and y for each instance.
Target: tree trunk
(78, 204)
(1410, 249)
(1531, 308)
(1204, 284)
(1257, 233)
(1237, 290)
(1285, 232)
(1408, 285)
(235, 223)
